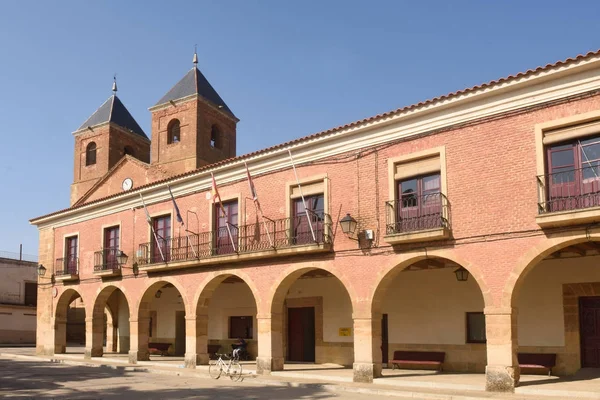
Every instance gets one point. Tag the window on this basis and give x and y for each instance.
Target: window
(301, 229)
(173, 132)
(162, 229)
(476, 327)
(30, 294)
(226, 224)
(574, 174)
(240, 327)
(111, 247)
(70, 262)
(128, 150)
(419, 204)
(90, 154)
(215, 137)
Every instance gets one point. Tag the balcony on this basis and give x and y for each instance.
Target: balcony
(417, 219)
(569, 197)
(66, 269)
(106, 262)
(271, 238)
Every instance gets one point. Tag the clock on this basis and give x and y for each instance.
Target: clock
(127, 184)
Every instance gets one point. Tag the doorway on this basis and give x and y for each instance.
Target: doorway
(179, 333)
(590, 331)
(301, 334)
(384, 339)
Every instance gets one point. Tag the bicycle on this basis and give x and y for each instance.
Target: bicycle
(233, 368)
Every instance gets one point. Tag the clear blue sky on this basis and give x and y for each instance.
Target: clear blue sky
(286, 69)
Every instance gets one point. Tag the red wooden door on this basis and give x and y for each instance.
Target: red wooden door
(301, 334)
(227, 222)
(162, 229)
(590, 331)
(111, 246)
(384, 339)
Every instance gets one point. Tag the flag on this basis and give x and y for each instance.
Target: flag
(252, 188)
(148, 219)
(177, 213)
(215, 196)
(214, 191)
(308, 219)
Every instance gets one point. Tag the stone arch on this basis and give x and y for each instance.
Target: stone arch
(388, 274)
(286, 279)
(60, 318)
(100, 305)
(201, 304)
(142, 312)
(533, 257)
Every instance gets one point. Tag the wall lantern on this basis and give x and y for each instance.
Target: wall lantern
(122, 257)
(41, 270)
(158, 294)
(348, 225)
(461, 274)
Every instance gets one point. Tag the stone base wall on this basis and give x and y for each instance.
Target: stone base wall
(226, 346)
(335, 352)
(470, 357)
(16, 337)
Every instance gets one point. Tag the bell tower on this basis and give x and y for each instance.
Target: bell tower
(102, 140)
(191, 125)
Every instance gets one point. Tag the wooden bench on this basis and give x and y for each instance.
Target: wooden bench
(537, 361)
(162, 348)
(402, 357)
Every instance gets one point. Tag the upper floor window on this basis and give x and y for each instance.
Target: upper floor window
(128, 150)
(90, 154)
(162, 228)
(30, 294)
(418, 203)
(173, 132)
(111, 247)
(215, 137)
(71, 248)
(226, 227)
(308, 220)
(573, 180)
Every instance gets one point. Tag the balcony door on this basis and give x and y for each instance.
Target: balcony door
(71, 255)
(162, 229)
(574, 175)
(111, 247)
(301, 229)
(226, 223)
(419, 204)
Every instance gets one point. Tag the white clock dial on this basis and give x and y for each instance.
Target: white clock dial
(127, 184)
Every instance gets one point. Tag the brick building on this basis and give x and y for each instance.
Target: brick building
(477, 232)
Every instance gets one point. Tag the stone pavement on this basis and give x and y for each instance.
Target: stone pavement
(328, 380)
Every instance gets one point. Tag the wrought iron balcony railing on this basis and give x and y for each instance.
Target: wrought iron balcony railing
(106, 260)
(66, 266)
(258, 236)
(568, 190)
(417, 213)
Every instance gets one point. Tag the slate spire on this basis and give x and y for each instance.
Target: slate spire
(113, 110)
(195, 83)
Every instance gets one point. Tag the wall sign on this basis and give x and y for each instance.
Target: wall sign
(345, 332)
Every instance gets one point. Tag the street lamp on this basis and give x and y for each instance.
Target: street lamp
(461, 274)
(348, 225)
(122, 257)
(41, 270)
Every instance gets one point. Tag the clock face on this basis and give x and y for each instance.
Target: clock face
(127, 184)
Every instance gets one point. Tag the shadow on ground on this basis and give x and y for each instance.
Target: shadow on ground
(34, 380)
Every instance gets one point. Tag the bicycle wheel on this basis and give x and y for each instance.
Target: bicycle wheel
(235, 371)
(215, 369)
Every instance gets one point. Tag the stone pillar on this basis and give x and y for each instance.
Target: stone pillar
(60, 335)
(367, 347)
(94, 335)
(138, 336)
(270, 343)
(195, 354)
(502, 370)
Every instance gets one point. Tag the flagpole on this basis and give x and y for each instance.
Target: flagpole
(216, 194)
(149, 220)
(302, 196)
(180, 220)
(257, 204)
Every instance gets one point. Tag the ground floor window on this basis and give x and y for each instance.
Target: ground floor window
(476, 327)
(240, 327)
